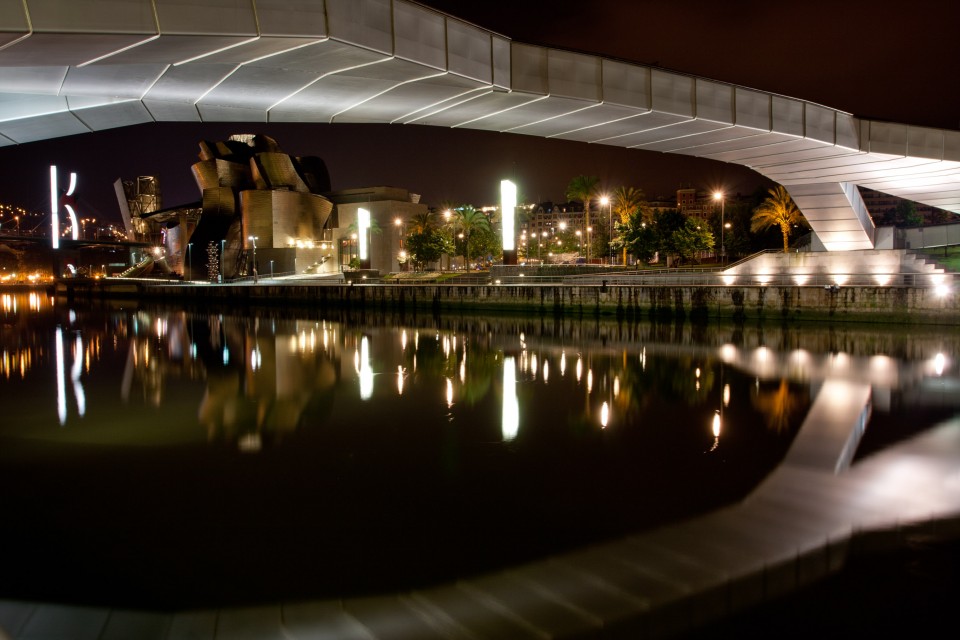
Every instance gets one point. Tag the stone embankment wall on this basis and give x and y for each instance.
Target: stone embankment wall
(915, 305)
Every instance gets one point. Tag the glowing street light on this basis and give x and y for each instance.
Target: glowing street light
(718, 195)
(605, 202)
(253, 239)
(223, 244)
(580, 239)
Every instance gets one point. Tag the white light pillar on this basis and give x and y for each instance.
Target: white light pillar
(508, 211)
(54, 210)
(363, 226)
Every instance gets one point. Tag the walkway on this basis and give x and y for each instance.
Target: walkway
(796, 527)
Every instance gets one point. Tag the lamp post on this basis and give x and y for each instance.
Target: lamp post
(223, 244)
(718, 195)
(446, 218)
(189, 271)
(398, 223)
(253, 239)
(605, 202)
(580, 240)
(589, 230)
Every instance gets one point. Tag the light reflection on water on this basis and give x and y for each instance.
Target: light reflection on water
(383, 451)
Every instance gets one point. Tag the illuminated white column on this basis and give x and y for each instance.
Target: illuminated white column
(74, 223)
(363, 224)
(54, 209)
(508, 211)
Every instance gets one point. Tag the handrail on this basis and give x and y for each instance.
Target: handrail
(752, 256)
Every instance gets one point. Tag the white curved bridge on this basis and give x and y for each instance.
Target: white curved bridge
(72, 66)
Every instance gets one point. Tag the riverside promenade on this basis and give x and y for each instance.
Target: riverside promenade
(680, 296)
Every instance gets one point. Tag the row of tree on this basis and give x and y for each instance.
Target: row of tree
(645, 232)
(633, 228)
(456, 231)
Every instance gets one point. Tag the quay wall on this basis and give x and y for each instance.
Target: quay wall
(911, 305)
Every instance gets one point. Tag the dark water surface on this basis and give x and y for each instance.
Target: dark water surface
(159, 458)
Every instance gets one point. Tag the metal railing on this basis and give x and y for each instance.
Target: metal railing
(691, 277)
(830, 281)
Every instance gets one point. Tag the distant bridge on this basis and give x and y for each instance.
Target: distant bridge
(73, 66)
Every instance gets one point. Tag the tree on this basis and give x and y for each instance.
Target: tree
(906, 214)
(691, 239)
(626, 202)
(427, 246)
(583, 189)
(777, 210)
(424, 221)
(470, 222)
(638, 237)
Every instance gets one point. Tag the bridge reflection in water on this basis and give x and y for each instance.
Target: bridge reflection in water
(798, 525)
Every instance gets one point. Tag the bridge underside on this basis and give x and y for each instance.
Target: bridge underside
(73, 66)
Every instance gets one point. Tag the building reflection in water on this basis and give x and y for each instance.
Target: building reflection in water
(264, 378)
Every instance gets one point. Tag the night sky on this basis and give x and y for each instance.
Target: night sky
(888, 64)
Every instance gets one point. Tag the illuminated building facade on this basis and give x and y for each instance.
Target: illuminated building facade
(251, 190)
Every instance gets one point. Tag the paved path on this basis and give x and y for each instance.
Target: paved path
(796, 527)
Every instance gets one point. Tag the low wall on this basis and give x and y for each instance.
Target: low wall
(914, 305)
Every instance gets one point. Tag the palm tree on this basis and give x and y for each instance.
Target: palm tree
(779, 210)
(627, 201)
(584, 189)
(424, 221)
(470, 220)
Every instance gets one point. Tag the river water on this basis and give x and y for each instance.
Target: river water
(167, 458)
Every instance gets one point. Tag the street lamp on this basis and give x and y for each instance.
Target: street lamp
(589, 231)
(718, 195)
(446, 218)
(398, 223)
(605, 202)
(253, 239)
(189, 272)
(580, 239)
(223, 244)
